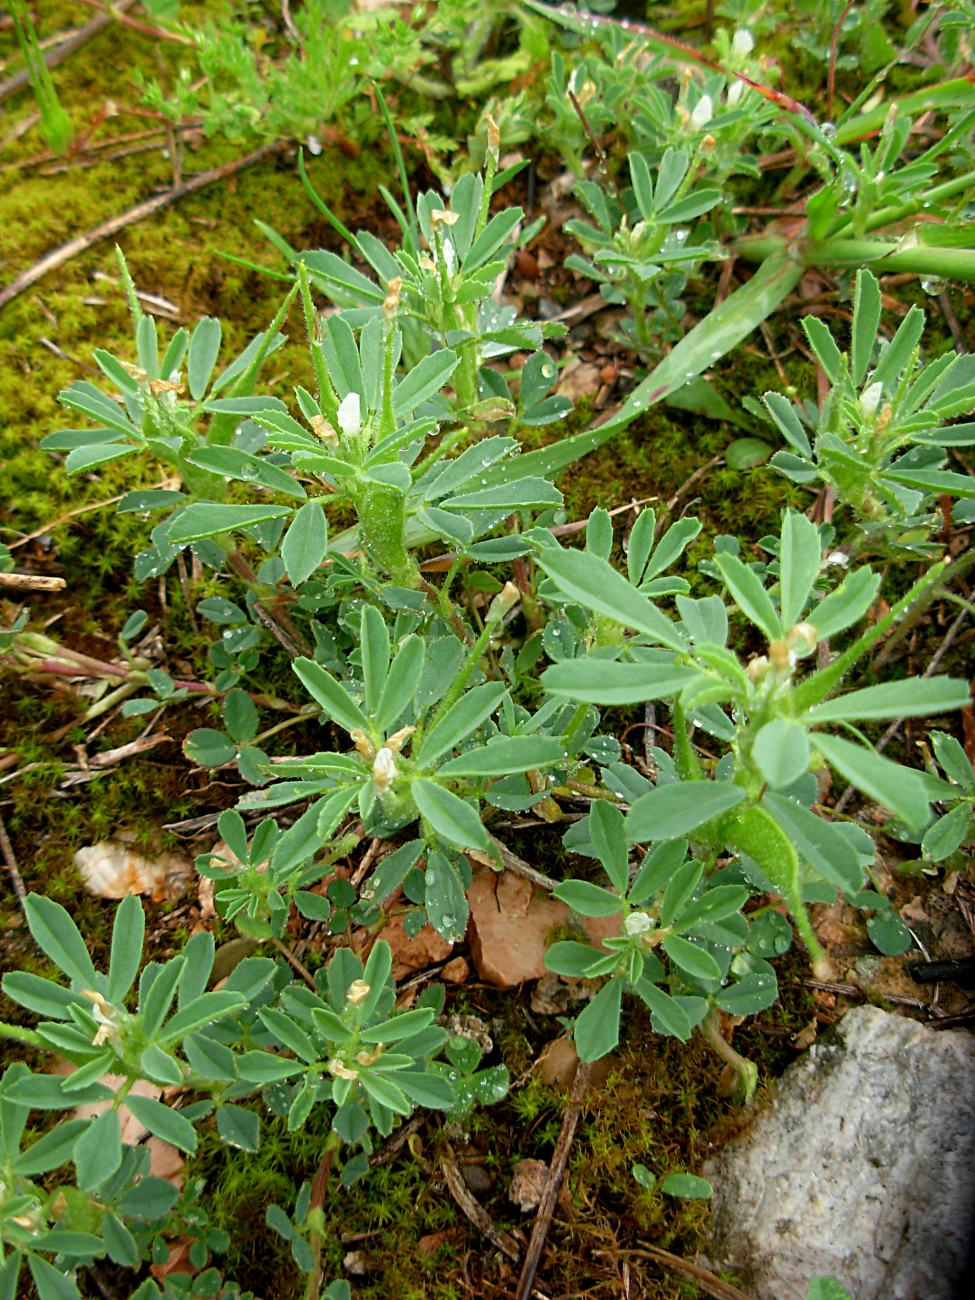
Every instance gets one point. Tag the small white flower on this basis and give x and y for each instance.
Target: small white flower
(742, 44)
(384, 768)
(358, 991)
(838, 557)
(350, 415)
(870, 400)
(703, 112)
(735, 92)
(637, 923)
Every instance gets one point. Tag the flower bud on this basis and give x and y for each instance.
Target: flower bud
(870, 400)
(358, 991)
(396, 740)
(384, 769)
(742, 44)
(350, 414)
(391, 304)
(757, 668)
(439, 216)
(493, 138)
(802, 639)
(735, 92)
(702, 114)
(339, 1068)
(362, 743)
(506, 599)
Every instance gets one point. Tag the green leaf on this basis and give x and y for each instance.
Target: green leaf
(51, 1283)
(449, 816)
(716, 904)
(749, 996)
(667, 1014)
(209, 748)
(597, 1029)
(866, 318)
(59, 938)
(912, 698)
(824, 346)
(505, 755)
(374, 645)
(207, 1009)
(799, 557)
(128, 933)
(401, 682)
(687, 1186)
(385, 1092)
(331, 695)
(576, 960)
(473, 708)
(445, 898)
(594, 583)
(898, 788)
(781, 751)
(205, 519)
(240, 716)
(680, 890)
(819, 842)
(204, 349)
(424, 381)
(670, 811)
(947, 834)
(689, 957)
(889, 933)
(305, 543)
(588, 899)
(608, 834)
(163, 1121)
(749, 595)
(239, 1127)
(98, 1152)
(846, 605)
(606, 681)
(50, 1151)
(717, 333)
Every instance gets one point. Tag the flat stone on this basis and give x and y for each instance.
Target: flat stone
(861, 1167)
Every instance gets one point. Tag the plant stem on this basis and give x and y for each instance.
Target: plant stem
(21, 1035)
(747, 1071)
(316, 1217)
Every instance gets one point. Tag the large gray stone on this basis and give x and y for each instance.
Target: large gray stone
(862, 1166)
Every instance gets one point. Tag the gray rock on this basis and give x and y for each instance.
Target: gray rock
(862, 1167)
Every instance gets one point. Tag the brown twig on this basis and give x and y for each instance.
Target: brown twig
(560, 1156)
(31, 582)
(833, 51)
(11, 861)
(62, 50)
(474, 1211)
(59, 256)
(706, 1280)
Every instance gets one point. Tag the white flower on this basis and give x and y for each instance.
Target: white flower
(384, 768)
(637, 923)
(735, 92)
(870, 400)
(350, 415)
(742, 44)
(703, 112)
(838, 557)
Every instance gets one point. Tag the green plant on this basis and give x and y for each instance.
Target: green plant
(880, 438)
(340, 1044)
(55, 123)
(756, 801)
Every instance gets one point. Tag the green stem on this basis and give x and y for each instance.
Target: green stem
(688, 768)
(21, 1035)
(316, 1217)
(818, 686)
(747, 1071)
(886, 256)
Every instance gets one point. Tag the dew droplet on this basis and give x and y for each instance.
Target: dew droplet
(933, 285)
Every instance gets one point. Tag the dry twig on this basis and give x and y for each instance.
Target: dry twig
(543, 1219)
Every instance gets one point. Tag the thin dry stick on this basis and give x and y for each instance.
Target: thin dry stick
(51, 261)
(706, 1280)
(474, 1211)
(61, 51)
(556, 1172)
(11, 861)
(31, 582)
